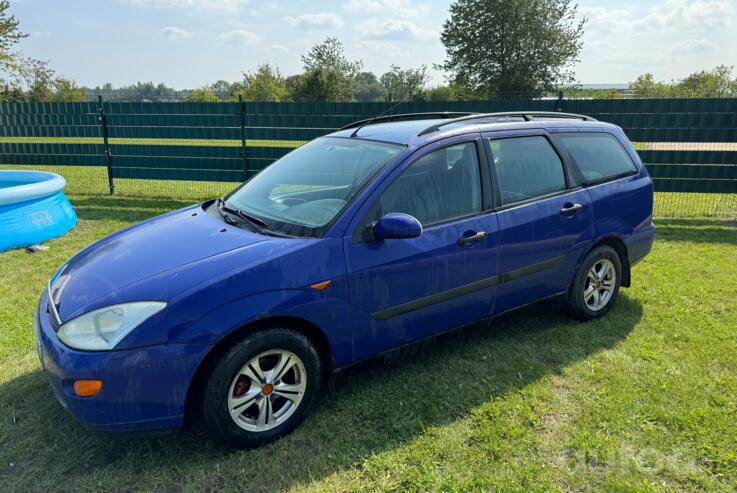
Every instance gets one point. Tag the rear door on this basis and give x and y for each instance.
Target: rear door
(621, 191)
(406, 289)
(544, 217)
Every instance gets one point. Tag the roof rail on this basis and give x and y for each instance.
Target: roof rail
(526, 115)
(407, 116)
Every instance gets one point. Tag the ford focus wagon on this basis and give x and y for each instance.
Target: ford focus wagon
(391, 230)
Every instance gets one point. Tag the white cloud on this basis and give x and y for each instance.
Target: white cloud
(667, 15)
(385, 50)
(281, 48)
(606, 20)
(636, 60)
(176, 33)
(394, 29)
(692, 45)
(403, 9)
(322, 20)
(215, 6)
(239, 37)
(364, 6)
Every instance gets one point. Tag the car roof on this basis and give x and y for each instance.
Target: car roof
(408, 132)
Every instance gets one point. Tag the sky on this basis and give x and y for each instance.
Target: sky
(191, 43)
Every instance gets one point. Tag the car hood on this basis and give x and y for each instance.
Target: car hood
(141, 251)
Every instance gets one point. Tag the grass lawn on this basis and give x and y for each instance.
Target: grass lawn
(645, 399)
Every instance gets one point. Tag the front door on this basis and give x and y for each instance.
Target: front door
(407, 289)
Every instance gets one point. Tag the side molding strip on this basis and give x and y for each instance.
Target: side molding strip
(531, 269)
(413, 305)
(449, 294)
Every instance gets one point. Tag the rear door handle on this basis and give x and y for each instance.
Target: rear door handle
(570, 209)
(465, 240)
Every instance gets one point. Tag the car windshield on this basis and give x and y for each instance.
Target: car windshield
(304, 191)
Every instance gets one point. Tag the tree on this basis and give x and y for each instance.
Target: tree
(322, 84)
(40, 80)
(366, 87)
(67, 90)
(647, 85)
(404, 84)
(265, 84)
(328, 75)
(329, 55)
(440, 93)
(201, 95)
(292, 83)
(140, 91)
(222, 89)
(9, 37)
(29, 79)
(524, 47)
(714, 83)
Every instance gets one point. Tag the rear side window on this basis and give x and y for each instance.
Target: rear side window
(526, 168)
(599, 156)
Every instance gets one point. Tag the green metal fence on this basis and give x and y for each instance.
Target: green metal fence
(196, 150)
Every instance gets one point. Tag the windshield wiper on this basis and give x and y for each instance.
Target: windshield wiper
(254, 222)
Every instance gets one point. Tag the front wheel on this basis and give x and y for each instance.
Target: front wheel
(262, 388)
(596, 284)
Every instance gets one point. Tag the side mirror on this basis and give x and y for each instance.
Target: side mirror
(396, 225)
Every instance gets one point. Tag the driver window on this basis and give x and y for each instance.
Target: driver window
(442, 185)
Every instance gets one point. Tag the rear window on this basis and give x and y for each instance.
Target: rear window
(599, 156)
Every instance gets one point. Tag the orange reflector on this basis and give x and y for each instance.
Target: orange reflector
(321, 285)
(87, 388)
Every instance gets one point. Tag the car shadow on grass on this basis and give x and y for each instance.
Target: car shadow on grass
(696, 230)
(388, 403)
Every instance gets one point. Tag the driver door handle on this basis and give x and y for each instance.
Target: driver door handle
(465, 240)
(570, 209)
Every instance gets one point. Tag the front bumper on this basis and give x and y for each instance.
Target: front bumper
(142, 389)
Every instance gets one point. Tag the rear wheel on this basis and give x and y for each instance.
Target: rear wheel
(596, 284)
(262, 388)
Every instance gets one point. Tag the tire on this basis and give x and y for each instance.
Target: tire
(264, 410)
(588, 300)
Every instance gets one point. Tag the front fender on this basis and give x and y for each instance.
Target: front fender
(326, 309)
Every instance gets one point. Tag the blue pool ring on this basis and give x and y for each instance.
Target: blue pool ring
(33, 208)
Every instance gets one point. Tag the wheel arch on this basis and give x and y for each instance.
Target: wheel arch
(304, 327)
(620, 247)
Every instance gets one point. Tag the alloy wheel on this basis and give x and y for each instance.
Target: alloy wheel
(267, 390)
(601, 280)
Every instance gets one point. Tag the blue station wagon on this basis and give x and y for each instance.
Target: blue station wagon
(391, 230)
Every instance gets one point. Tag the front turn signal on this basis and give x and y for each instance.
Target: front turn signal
(321, 285)
(87, 388)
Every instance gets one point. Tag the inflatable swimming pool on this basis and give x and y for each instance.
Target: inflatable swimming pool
(33, 208)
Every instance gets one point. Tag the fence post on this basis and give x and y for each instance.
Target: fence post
(244, 147)
(559, 103)
(108, 154)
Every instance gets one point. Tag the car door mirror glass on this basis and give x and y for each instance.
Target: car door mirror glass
(395, 226)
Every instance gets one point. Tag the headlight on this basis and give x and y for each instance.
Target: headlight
(102, 330)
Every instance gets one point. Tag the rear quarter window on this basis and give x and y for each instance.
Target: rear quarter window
(599, 156)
